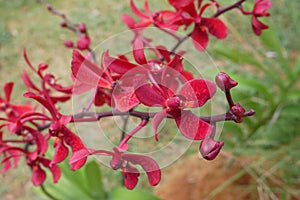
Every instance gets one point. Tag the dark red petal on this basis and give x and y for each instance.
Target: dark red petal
(215, 27)
(87, 72)
(117, 65)
(124, 98)
(180, 3)
(27, 81)
(44, 102)
(157, 119)
(55, 170)
(148, 164)
(22, 109)
(6, 165)
(38, 176)
(76, 144)
(136, 11)
(41, 141)
(200, 38)
(138, 52)
(258, 26)
(8, 87)
(131, 175)
(128, 20)
(61, 152)
(56, 173)
(164, 52)
(191, 126)
(197, 91)
(261, 6)
(148, 96)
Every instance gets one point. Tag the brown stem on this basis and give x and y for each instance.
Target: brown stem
(223, 10)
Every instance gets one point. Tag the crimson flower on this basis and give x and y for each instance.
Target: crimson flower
(38, 173)
(162, 19)
(260, 10)
(192, 94)
(202, 25)
(61, 132)
(12, 111)
(125, 162)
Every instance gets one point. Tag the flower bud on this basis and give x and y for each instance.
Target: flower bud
(81, 27)
(49, 7)
(63, 24)
(210, 148)
(83, 42)
(69, 43)
(239, 112)
(224, 82)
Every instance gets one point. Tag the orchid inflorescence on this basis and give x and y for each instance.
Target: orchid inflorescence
(123, 84)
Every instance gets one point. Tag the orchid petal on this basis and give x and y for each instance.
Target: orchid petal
(148, 164)
(191, 126)
(215, 27)
(8, 87)
(148, 96)
(197, 91)
(157, 119)
(138, 52)
(38, 176)
(117, 65)
(131, 175)
(200, 38)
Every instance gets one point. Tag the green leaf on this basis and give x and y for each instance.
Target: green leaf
(271, 40)
(296, 69)
(255, 84)
(240, 57)
(94, 180)
(136, 194)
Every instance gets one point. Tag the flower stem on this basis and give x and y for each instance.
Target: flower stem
(223, 10)
(50, 196)
(134, 131)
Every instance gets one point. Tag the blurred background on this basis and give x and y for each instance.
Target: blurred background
(261, 157)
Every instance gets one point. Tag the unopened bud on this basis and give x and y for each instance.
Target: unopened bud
(224, 81)
(63, 24)
(239, 112)
(69, 43)
(81, 27)
(210, 148)
(49, 7)
(83, 42)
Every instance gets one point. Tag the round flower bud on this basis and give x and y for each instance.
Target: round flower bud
(81, 27)
(69, 43)
(63, 24)
(239, 112)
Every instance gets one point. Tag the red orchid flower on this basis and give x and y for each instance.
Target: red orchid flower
(260, 10)
(61, 132)
(89, 75)
(162, 19)
(12, 111)
(47, 79)
(126, 163)
(192, 94)
(123, 66)
(38, 173)
(201, 24)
